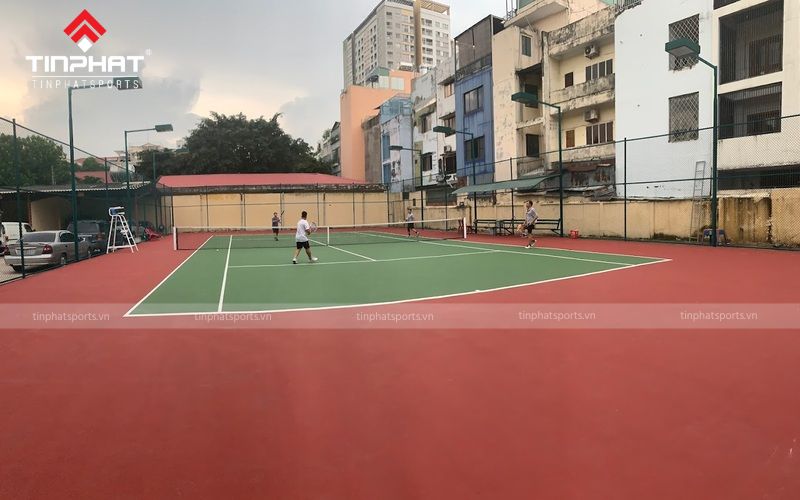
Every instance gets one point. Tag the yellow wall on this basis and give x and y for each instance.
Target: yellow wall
(50, 213)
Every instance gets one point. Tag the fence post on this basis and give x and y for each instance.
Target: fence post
(353, 187)
(511, 168)
(625, 188)
(18, 181)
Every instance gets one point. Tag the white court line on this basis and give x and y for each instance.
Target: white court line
(532, 254)
(369, 261)
(394, 302)
(225, 276)
(165, 279)
(343, 250)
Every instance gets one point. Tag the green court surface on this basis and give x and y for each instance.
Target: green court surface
(228, 274)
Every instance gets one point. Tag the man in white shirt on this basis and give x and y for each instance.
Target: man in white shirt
(301, 238)
(530, 222)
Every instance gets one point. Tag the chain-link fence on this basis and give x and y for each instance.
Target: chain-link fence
(650, 188)
(39, 193)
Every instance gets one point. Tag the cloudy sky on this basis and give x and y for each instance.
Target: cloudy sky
(258, 57)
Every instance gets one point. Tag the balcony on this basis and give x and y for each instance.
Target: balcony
(597, 28)
(596, 152)
(585, 95)
(528, 167)
(530, 12)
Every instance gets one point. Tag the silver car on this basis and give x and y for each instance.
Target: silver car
(45, 248)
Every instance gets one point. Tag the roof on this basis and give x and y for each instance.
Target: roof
(524, 183)
(223, 180)
(80, 188)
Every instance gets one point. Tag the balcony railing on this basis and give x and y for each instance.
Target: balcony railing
(581, 95)
(473, 67)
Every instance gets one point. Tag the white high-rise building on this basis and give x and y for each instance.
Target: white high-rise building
(388, 37)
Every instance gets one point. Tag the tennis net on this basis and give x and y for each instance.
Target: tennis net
(222, 238)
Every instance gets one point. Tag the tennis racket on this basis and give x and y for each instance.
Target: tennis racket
(313, 227)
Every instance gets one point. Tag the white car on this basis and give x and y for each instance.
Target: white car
(9, 232)
(45, 248)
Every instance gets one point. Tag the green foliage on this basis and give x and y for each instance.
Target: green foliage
(235, 144)
(41, 161)
(90, 165)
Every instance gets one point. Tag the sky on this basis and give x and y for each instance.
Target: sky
(258, 57)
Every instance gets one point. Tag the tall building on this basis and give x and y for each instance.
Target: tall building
(358, 104)
(388, 37)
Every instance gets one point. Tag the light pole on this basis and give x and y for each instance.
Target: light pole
(533, 99)
(418, 151)
(450, 131)
(125, 83)
(158, 128)
(684, 47)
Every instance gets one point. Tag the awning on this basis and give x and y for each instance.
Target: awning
(524, 183)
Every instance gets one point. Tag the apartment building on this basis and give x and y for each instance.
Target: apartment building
(474, 99)
(388, 38)
(330, 148)
(359, 103)
(396, 130)
(578, 66)
(434, 104)
(543, 42)
(756, 46)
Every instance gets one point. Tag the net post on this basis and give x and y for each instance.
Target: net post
(464, 227)
(174, 238)
(327, 235)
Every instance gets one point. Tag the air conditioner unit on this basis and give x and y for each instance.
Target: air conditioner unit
(440, 178)
(452, 180)
(448, 149)
(592, 115)
(591, 51)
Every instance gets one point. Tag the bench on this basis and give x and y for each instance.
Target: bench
(492, 224)
(509, 226)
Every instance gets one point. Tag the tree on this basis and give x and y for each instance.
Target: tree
(41, 161)
(235, 144)
(90, 165)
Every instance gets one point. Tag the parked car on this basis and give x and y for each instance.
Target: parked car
(9, 232)
(93, 231)
(45, 248)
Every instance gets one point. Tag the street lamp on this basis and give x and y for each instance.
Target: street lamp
(533, 99)
(419, 151)
(441, 129)
(158, 128)
(124, 83)
(684, 47)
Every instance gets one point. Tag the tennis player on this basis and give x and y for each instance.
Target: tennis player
(410, 224)
(530, 222)
(276, 224)
(301, 238)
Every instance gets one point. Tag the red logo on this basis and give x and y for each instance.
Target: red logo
(85, 30)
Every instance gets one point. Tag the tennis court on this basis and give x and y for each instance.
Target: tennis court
(250, 269)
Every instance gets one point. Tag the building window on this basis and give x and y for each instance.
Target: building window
(569, 80)
(526, 45)
(532, 145)
(599, 70)
(385, 151)
(450, 164)
(475, 150)
(748, 112)
(684, 117)
(473, 100)
(529, 88)
(449, 89)
(449, 122)
(425, 122)
(570, 139)
(751, 42)
(685, 28)
(427, 162)
(600, 133)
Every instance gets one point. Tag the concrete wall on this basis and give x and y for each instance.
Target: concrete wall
(644, 84)
(50, 213)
